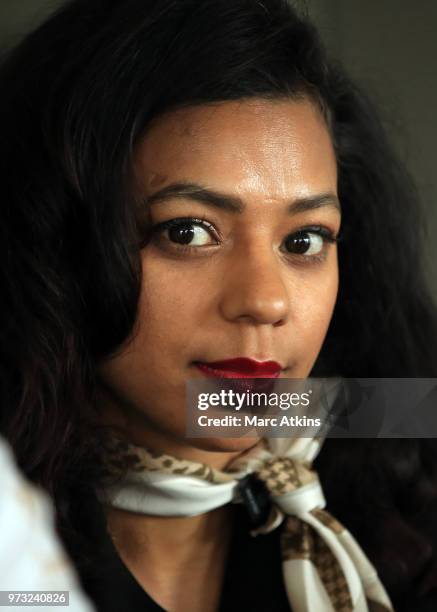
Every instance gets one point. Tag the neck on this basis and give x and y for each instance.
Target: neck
(165, 554)
(165, 537)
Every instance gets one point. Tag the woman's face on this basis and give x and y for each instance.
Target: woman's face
(251, 273)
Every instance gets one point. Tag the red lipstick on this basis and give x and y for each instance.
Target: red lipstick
(241, 367)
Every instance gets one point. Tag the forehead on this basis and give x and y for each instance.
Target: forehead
(240, 145)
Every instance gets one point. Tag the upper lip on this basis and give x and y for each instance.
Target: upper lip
(245, 365)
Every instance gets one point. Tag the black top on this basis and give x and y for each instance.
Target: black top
(253, 576)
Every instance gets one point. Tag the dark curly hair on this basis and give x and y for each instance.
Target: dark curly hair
(76, 96)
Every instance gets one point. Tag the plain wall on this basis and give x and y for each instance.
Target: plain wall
(19, 16)
(390, 47)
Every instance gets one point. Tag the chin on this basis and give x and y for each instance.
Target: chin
(224, 445)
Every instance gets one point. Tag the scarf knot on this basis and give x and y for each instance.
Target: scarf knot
(280, 486)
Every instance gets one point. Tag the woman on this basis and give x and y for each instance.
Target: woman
(175, 175)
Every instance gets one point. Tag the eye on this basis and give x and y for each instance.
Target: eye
(308, 242)
(187, 232)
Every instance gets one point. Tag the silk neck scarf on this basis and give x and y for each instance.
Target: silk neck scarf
(324, 568)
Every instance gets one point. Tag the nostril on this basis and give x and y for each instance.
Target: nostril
(280, 322)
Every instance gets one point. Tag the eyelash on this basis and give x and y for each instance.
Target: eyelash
(326, 234)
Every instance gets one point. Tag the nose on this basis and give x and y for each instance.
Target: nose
(254, 289)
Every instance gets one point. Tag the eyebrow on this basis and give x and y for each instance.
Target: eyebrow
(223, 201)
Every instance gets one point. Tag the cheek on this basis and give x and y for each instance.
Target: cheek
(146, 373)
(166, 320)
(313, 309)
(168, 305)
(319, 301)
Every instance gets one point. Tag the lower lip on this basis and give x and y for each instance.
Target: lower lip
(231, 373)
(242, 382)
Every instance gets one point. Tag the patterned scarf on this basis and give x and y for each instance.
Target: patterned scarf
(324, 568)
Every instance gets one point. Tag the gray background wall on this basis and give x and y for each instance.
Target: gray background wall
(389, 46)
